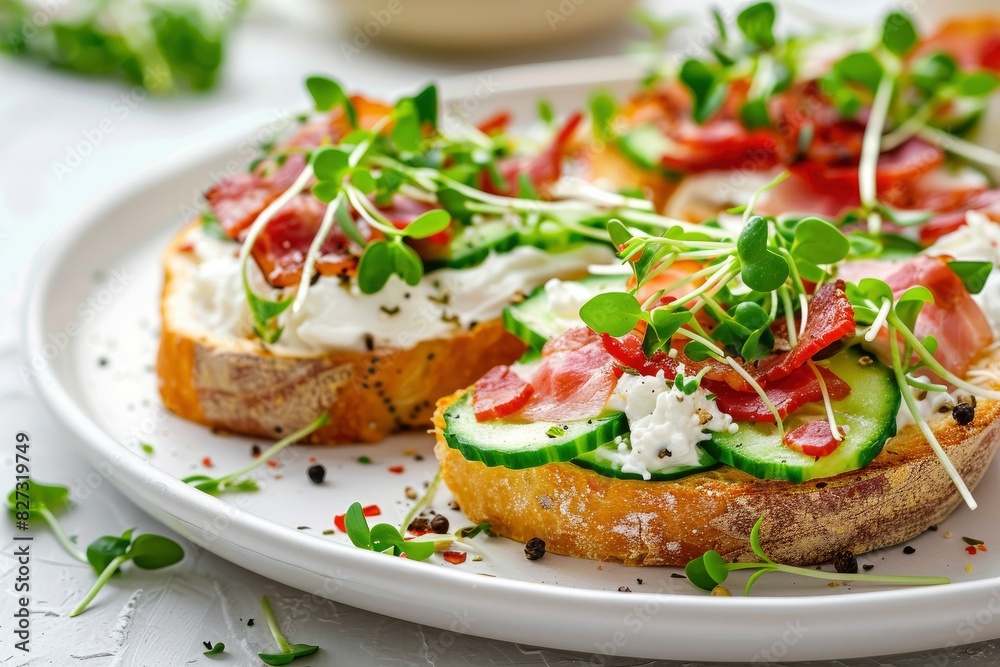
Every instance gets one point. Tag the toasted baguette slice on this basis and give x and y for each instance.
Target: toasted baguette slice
(238, 385)
(581, 513)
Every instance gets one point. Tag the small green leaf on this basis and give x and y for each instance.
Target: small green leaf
(972, 274)
(416, 549)
(618, 232)
(407, 263)
(697, 351)
(105, 549)
(715, 567)
(327, 93)
(662, 326)
(756, 22)
(297, 651)
(152, 552)
(147, 448)
(326, 191)
(218, 648)
(754, 114)
(545, 111)
(929, 342)
(861, 68)
(603, 109)
(613, 313)
(818, 242)
(357, 527)
(386, 537)
(51, 496)
(376, 265)
(329, 164)
(898, 34)
(755, 541)
(977, 84)
(698, 573)
(933, 70)
(428, 224)
(555, 432)
(763, 269)
(363, 180)
(263, 311)
(406, 132)
(707, 91)
(426, 104)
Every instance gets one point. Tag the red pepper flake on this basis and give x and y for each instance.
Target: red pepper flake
(981, 547)
(271, 463)
(186, 246)
(313, 459)
(455, 557)
(396, 470)
(207, 461)
(371, 510)
(338, 521)
(972, 551)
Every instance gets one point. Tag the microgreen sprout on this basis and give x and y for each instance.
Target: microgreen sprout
(107, 554)
(238, 481)
(217, 649)
(384, 537)
(287, 652)
(710, 570)
(34, 499)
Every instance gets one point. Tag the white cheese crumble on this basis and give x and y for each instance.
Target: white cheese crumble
(666, 425)
(337, 316)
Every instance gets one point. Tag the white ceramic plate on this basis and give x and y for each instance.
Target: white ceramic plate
(91, 333)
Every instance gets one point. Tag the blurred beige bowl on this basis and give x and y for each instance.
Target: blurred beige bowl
(479, 25)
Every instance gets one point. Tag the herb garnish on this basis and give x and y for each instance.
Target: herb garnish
(31, 498)
(106, 554)
(237, 481)
(709, 570)
(215, 649)
(288, 652)
(384, 537)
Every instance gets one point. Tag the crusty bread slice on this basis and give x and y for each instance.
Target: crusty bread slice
(238, 385)
(581, 513)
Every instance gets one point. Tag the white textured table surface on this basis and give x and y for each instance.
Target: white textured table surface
(100, 134)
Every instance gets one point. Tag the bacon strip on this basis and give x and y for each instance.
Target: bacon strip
(499, 393)
(787, 394)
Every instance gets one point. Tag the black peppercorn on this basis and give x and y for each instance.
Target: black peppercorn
(534, 549)
(909, 550)
(845, 562)
(439, 524)
(317, 473)
(419, 526)
(964, 413)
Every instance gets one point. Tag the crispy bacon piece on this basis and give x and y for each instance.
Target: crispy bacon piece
(986, 202)
(499, 393)
(542, 170)
(787, 394)
(721, 144)
(831, 317)
(814, 438)
(238, 200)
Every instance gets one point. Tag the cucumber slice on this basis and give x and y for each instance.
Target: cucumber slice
(869, 410)
(550, 235)
(525, 445)
(533, 321)
(601, 465)
(473, 243)
(645, 146)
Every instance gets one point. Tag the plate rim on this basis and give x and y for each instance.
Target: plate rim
(133, 472)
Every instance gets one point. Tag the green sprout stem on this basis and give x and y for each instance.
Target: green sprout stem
(272, 625)
(902, 580)
(961, 147)
(925, 429)
(421, 502)
(222, 484)
(870, 149)
(60, 536)
(102, 579)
